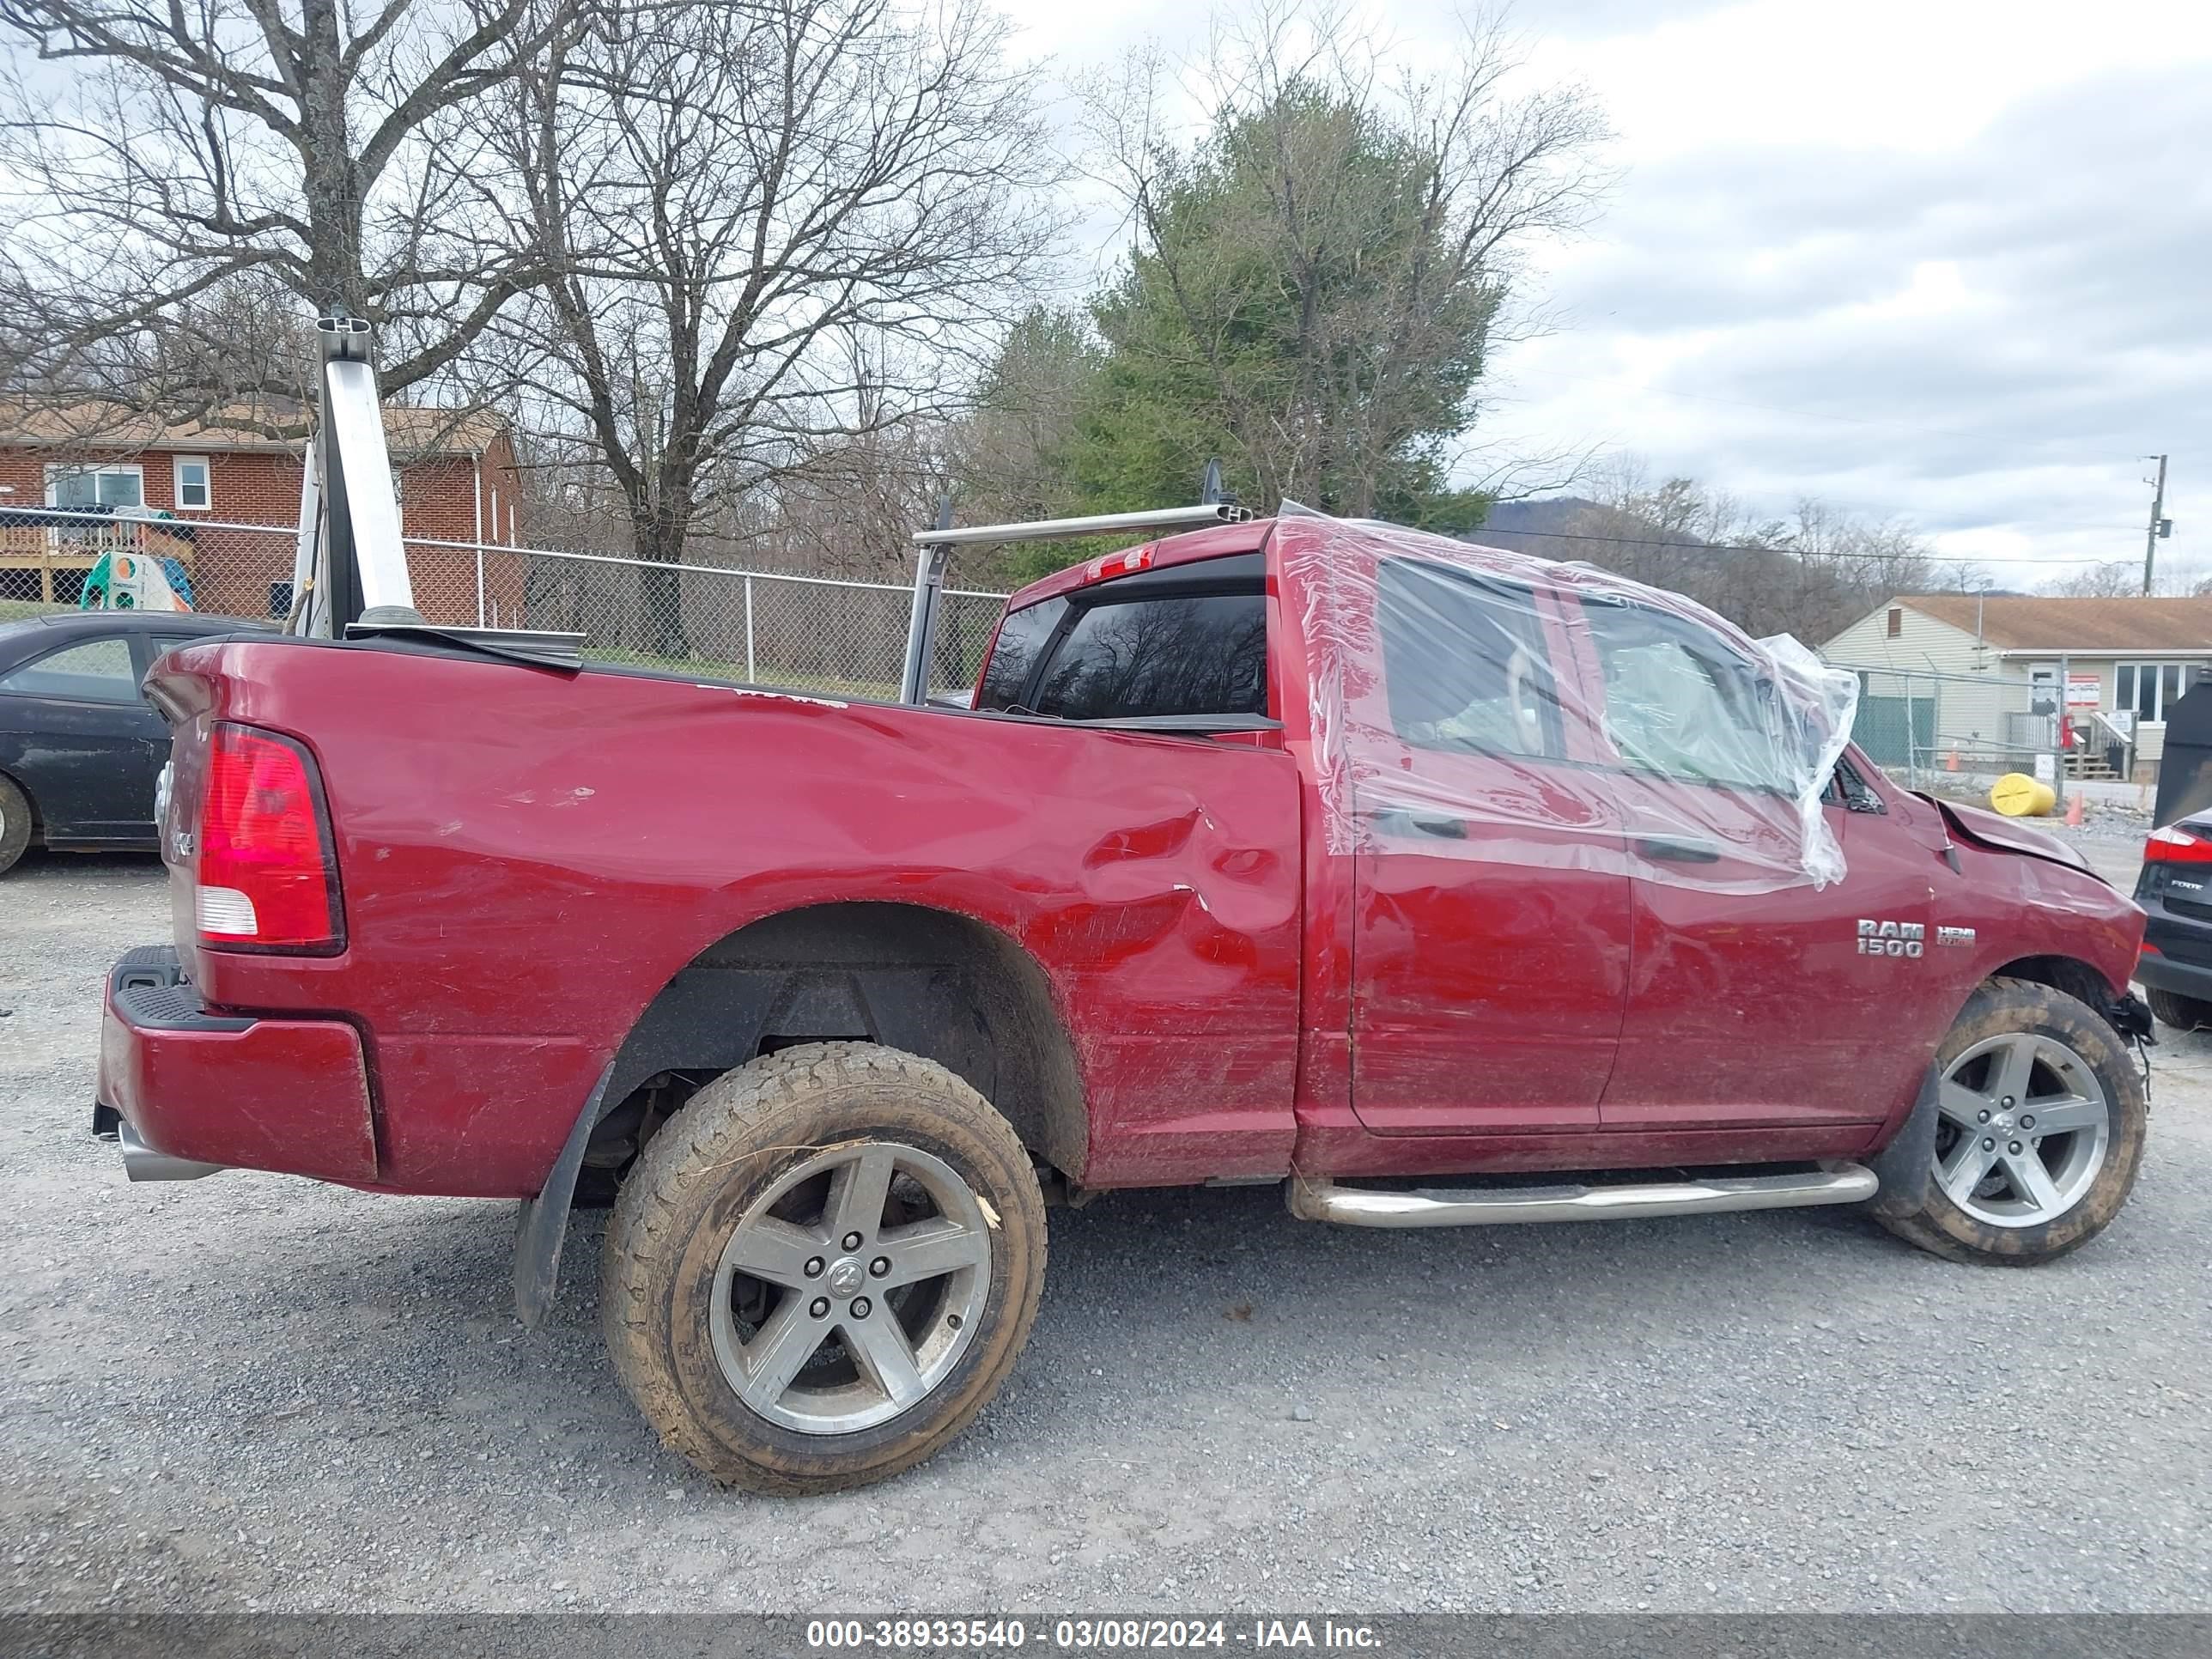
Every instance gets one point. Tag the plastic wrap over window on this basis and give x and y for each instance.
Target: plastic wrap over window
(1472, 703)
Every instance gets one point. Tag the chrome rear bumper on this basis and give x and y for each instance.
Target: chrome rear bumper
(142, 1163)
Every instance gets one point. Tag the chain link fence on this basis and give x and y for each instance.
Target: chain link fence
(1930, 728)
(48, 557)
(773, 628)
(767, 628)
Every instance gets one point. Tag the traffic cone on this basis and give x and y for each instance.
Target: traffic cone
(1951, 764)
(2075, 804)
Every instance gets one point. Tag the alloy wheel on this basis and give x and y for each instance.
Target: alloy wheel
(851, 1288)
(2023, 1127)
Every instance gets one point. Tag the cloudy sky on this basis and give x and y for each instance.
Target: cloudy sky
(1949, 261)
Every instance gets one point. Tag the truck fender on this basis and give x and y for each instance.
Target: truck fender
(543, 1226)
(1905, 1166)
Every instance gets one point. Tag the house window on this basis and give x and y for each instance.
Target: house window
(92, 489)
(2151, 689)
(1896, 621)
(192, 485)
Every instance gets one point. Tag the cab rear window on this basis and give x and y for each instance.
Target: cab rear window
(1205, 655)
(1182, 639)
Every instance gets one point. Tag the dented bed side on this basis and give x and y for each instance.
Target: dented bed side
(527, 858)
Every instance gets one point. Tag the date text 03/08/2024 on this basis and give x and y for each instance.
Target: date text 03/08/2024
(1087, 1635)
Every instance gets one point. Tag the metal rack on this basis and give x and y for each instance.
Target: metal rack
(934, 547)
(349, 561)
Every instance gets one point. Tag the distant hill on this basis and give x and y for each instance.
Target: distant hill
(1763, 590)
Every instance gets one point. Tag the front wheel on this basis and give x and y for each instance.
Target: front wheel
(2039, 1132)
(822, 1268)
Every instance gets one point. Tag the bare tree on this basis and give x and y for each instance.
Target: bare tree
(779, 225)
(181, 175)
(2122, 579)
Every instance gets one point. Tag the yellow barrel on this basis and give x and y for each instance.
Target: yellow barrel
(2018, 796)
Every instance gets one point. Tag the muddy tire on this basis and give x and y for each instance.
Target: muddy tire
(2039, 1134)
(15, 824)
(2181, 1012)
(822, 1268)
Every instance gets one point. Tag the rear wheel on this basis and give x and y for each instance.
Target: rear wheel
(822, 1268)
(15, 824)
(2039, 1132)
(2183, 1013)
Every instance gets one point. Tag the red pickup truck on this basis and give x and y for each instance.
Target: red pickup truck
(1293, 851)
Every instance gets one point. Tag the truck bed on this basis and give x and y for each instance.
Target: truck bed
(527, 857)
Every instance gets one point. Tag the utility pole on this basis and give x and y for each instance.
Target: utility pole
(2161, 525)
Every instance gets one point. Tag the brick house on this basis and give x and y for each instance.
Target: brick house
(219, 505)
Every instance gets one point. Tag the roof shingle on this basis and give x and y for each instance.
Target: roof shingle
(54, 424)
(2057, 624)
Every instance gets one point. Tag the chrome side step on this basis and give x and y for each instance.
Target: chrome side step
(142, 1163)
(1367, 1207)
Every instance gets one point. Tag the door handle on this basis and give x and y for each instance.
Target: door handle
(1678, 852)
(1399, 821)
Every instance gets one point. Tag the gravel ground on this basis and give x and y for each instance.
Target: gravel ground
(252, 1392)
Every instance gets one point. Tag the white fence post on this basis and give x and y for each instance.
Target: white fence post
(751, 674)
(480, 608)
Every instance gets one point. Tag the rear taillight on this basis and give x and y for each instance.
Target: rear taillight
(262, 870)
(2175, 845)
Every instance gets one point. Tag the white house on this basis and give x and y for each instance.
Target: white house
(1967, 674)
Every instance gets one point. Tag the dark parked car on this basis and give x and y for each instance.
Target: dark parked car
(2175, 890)
(80, 748)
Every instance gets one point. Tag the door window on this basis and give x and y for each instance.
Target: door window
(158, 644)
(92, 671)
(1464, 661)
(1680, 704)
(1205, 655)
